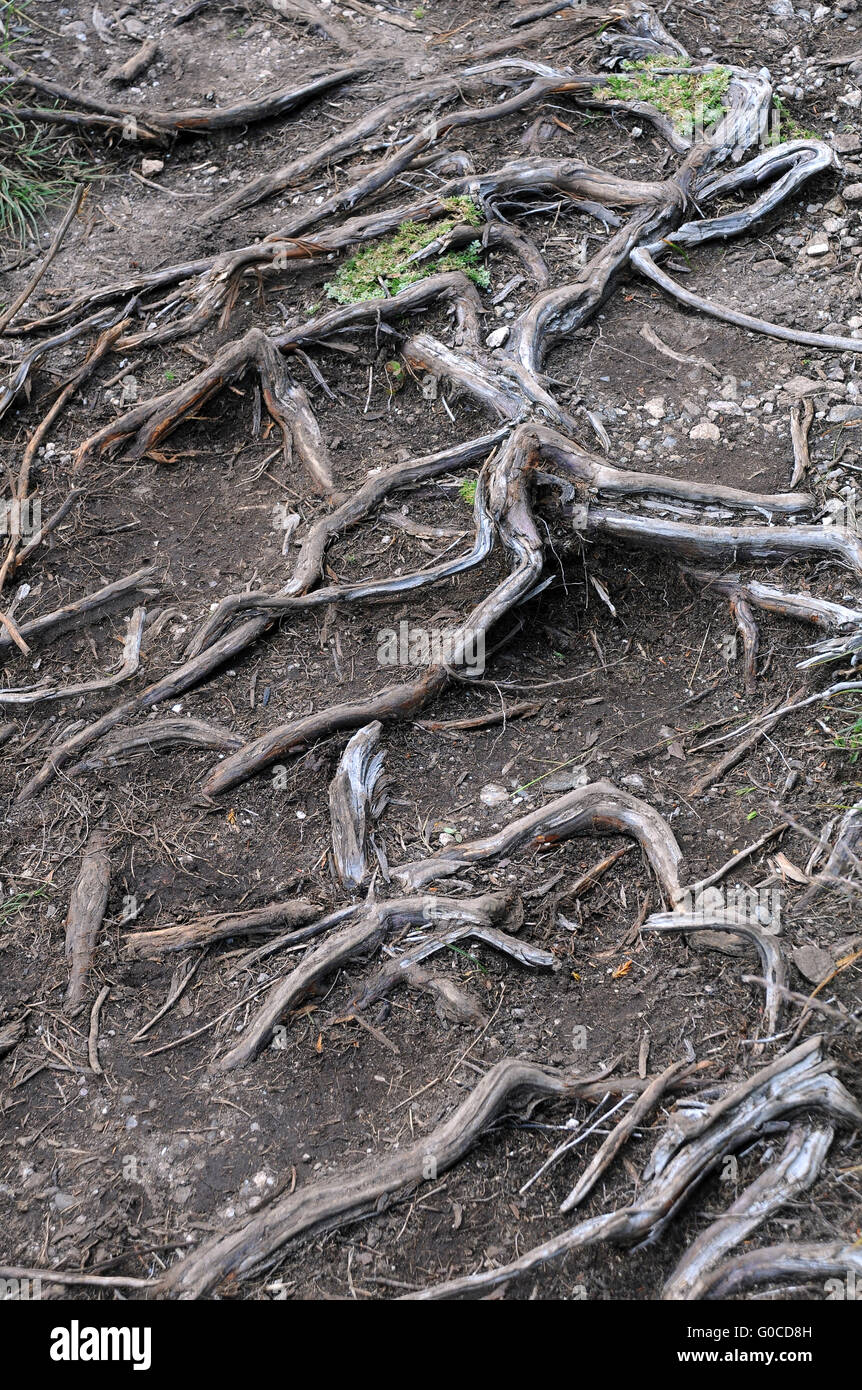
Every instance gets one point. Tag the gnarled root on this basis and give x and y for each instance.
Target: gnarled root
(799, 1080)
(795, 1171)
(599, 808)
(373, 925)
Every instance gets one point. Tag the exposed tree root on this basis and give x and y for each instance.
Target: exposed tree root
(86, 910)
(795, 1171)
(357, 796)
(596, 808)
(800, 1080)
(830, 1261)
(70, 614)
(321, 1206)
(142, 123)
(373, 925)
(218, 926)
(529, 452)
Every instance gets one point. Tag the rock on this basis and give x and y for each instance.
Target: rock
(799, 386)
(705, 430)
(853, 193)
(841, 413)
(818, 247)
(151, 166)
(655, 407)
(566, 780)
(847, 143)
(497, 338)
(130, 389)
(492, 794)
(822, 12)
(813, 963)
(782, 8)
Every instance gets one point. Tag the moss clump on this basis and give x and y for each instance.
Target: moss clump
(467, 491)
(383, 267)
(686, 98)
(786, 127)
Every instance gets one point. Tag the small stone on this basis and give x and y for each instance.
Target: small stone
(566, 780)
(498, 337)
(813, 963)
(492, 794)
(151, 166)
(705, 429)
(655, 407)
(853, 193)
(818, 247)
(799, 386)
(847, 143)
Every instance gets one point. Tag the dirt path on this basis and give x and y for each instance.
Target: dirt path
(548, 535)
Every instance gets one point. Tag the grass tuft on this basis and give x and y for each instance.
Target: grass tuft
(38, 166)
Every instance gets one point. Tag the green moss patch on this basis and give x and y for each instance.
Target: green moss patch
(383, 268)
(686, 98)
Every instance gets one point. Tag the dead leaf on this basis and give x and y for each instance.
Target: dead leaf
(789, 870)
(622, 970)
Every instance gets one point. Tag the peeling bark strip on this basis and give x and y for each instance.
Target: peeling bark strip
(218, 926)
(357, 796)
(86, 909)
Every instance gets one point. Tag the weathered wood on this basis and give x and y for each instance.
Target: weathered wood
(87, 905)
